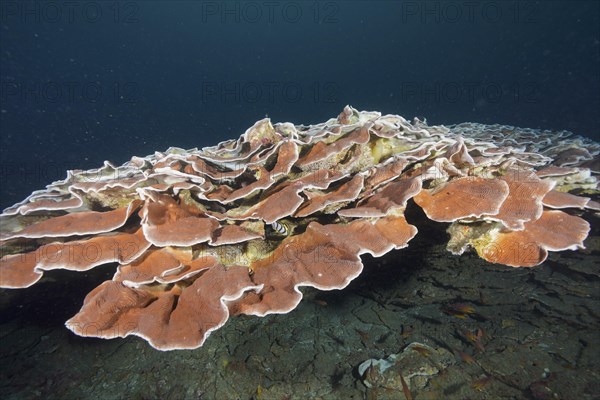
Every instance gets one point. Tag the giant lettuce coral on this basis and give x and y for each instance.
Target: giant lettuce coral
(199, 235)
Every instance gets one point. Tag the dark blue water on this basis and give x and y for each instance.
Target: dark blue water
(85, 82)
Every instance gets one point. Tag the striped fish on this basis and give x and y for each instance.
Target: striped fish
(281, 228)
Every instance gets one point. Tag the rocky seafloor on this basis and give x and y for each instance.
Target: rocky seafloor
(461, 328)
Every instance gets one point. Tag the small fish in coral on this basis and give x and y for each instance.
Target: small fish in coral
(462, 311)
(478, 343)
(474, 337)
(282, 228)
(540, 391)
(480, 383)
(467, 334)
(259, 392)
(364, 336)
(407, 331)
(424, 351)
(462, 308)
(466, 357)
(405, 389)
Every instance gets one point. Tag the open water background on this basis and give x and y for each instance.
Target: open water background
(84, 82)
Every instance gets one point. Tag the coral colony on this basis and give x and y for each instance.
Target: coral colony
(199, 235)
